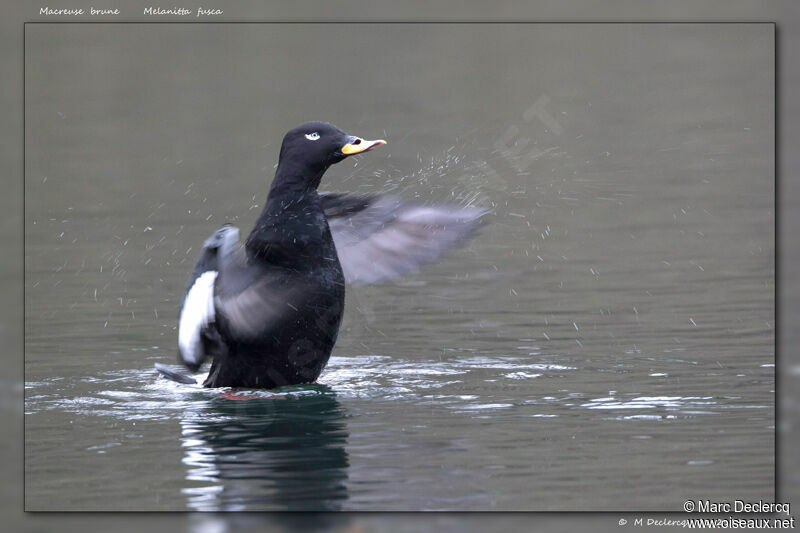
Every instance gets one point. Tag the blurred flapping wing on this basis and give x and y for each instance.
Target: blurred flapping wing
(383, 237)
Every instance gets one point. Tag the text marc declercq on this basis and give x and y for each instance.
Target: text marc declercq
(739, 506)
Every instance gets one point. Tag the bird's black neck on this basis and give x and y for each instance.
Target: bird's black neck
(295, 176)
(292, 223)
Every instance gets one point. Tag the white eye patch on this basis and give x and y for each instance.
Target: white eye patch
(312, 136)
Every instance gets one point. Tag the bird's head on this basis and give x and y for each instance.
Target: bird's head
(309, 149)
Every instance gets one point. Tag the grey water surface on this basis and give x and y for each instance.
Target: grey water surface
(606, 342)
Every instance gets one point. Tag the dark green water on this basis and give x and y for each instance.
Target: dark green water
(606, 341)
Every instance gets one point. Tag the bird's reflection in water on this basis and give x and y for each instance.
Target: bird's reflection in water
(282, 452)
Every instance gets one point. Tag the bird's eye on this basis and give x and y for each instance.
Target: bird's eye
(312, 136)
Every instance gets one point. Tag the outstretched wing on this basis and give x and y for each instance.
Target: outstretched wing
(260, 305)
(196, 334)
(383, 237)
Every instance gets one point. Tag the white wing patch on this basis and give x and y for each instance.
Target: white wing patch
(197, 313)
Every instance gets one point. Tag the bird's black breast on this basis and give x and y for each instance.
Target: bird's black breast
(293, 232)
(279, 312)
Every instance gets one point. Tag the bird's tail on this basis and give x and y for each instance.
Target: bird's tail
(175, 375)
